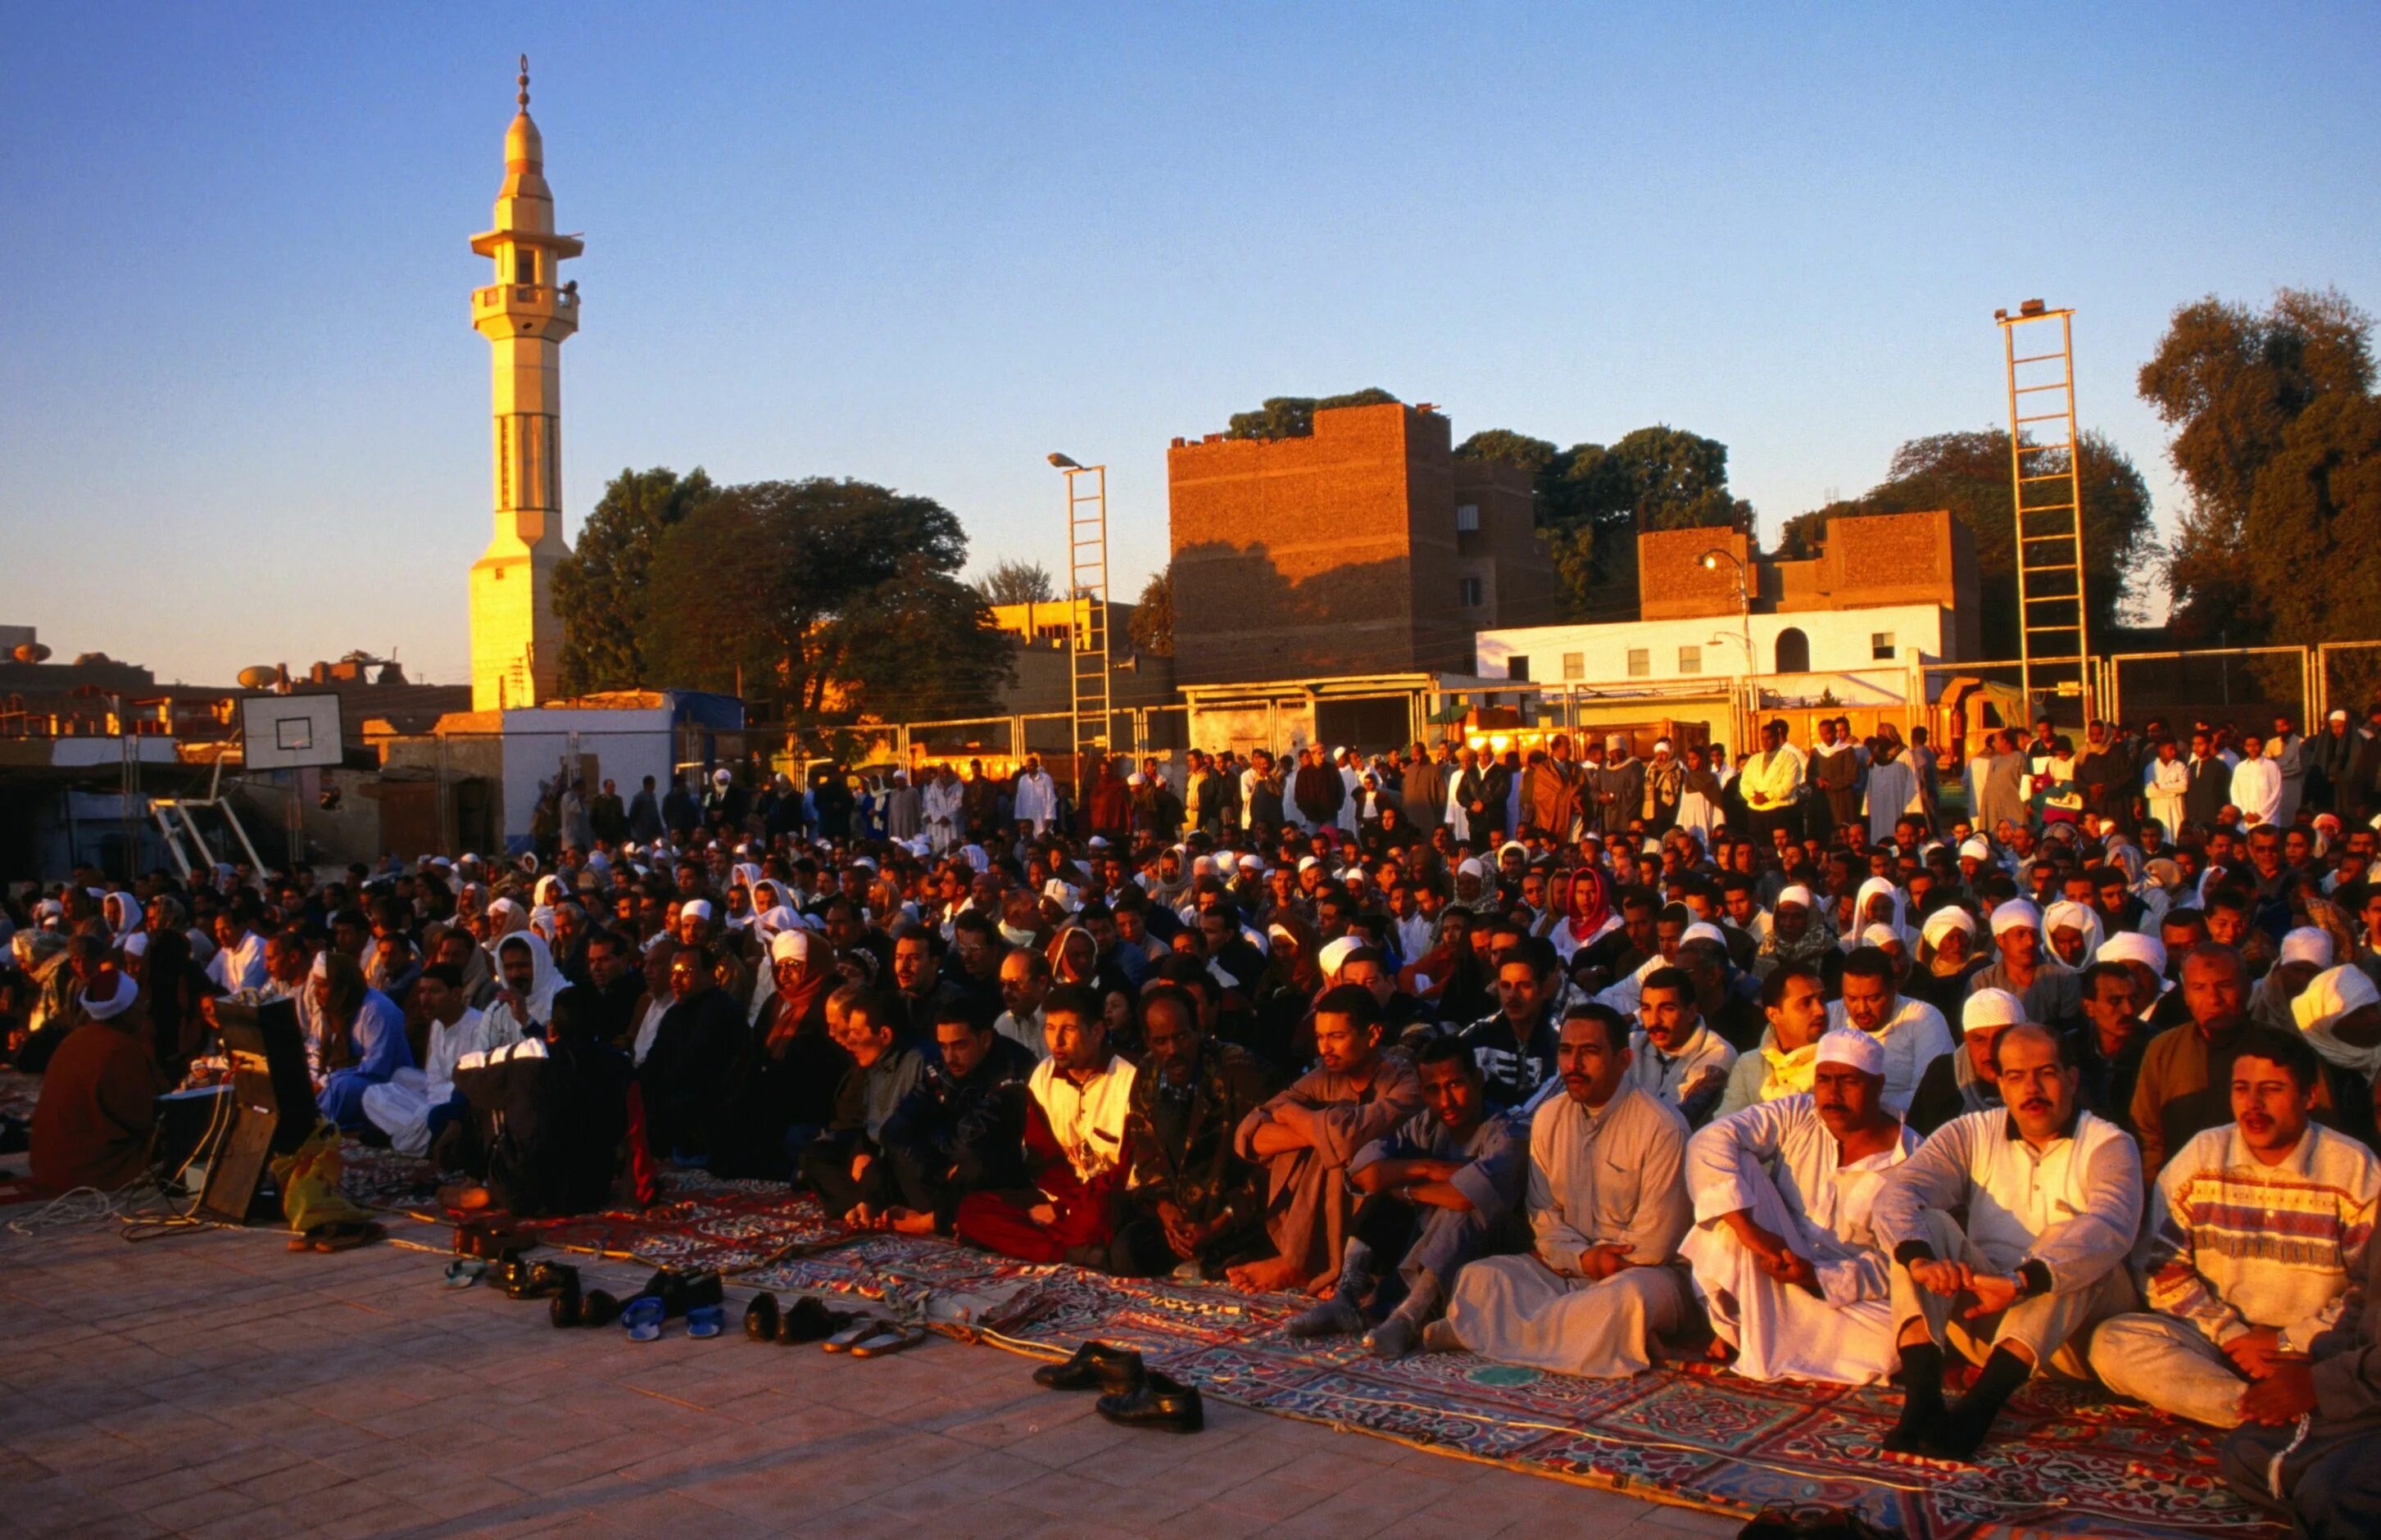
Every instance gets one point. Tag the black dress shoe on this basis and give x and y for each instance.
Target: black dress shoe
(598, 1309)
(540, 1280)
(1095, 1366)
(761, 1319)
(567, 1305)
(1159, 1401)
(808, 1320)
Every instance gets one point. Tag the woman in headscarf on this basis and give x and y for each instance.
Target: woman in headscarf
(1587, 914)
(123, 915)
(1878, 902)
(1944, 961)
(1700, 808)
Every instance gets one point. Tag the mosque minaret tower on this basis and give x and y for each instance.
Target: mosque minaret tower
(525, 315)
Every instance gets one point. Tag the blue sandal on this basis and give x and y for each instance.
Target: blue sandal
(643, 1318)
(706, 1320)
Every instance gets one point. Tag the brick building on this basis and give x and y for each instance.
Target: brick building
(1365, 549)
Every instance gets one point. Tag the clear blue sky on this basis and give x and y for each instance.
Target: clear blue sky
(243, 416)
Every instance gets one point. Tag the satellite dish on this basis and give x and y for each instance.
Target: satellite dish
(32, 652)
(259, 678)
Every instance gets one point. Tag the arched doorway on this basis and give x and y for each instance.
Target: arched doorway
(1793, 651)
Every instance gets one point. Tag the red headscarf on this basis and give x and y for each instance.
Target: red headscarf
(1591, 904)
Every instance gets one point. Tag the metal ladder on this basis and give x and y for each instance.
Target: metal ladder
(2046, 498)
(1087, 605)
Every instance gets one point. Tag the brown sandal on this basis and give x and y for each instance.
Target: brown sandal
(347, 1237)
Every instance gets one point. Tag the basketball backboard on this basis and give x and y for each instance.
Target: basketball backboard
(291, 731)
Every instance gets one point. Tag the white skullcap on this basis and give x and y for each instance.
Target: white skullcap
(1797, 893)
(1975, 848)
(1943, 921)
(2132, 946)
(2331, 995)
(2306, 944)
(720, 776)
(1988, 1007)
(1471, 867)
(2016, 915)
(1702, 930)
(1661, 745)
(1136, 779)
(1252, 863)
(699, 907)
(1306, 861)
(1845, 1045)
(1066, 895)
(793, 943)
(1334, 954)
(1512, 845)
(1880, 935)
(2067, 914)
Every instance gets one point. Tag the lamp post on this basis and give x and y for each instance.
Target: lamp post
(1087, 638)
(1750, 697)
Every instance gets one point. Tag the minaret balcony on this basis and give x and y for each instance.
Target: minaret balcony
(537, 308)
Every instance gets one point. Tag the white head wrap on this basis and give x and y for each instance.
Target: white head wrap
(1702, 930)
(1988, 1007)
(1332, 956)
(2082, 918)
(2306, 944)
(1471, 867)
(2333, 994)
(116, 1004)
(699, 907)
(1797, 893)
(1066, 895)
(1943, 921)
(2132, 946)
(1975, 848)
(1844, 1045)
(1881, 936)
(793, 942)
(2016, 915)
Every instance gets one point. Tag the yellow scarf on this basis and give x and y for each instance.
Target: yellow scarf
(1788, 1073)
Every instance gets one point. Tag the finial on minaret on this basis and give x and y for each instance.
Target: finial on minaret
(523, 97)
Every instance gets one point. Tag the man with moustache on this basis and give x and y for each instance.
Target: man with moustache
(1790, 1270)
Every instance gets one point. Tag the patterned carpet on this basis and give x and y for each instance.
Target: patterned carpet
(2069, 1461)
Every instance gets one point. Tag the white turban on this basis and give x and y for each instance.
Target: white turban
(1845, 1045)
(1334, 954)
(793, 942)
(1880, 936)
(1797, 893)
(2306, 944)
(2132, 946)
(1702, 930)
(1471, 867)
(1975, 849)
(699, 907)
(1989, 1008)
(1252, 863)
(2331, 995)
(2016, 915)
(1066, 895)
(777, 919)
(1943, 921)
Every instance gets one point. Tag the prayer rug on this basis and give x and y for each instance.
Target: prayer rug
(2068, 1461)
(18, 1093)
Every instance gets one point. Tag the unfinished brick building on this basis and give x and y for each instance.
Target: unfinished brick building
(1365, 549)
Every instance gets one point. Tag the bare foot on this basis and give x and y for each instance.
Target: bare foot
(1270, 1276)
(463, 1196)
(1321, 1284)
(1719, 1352)
(910, 1221)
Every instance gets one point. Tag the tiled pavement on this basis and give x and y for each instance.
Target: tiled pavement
(214, 1384)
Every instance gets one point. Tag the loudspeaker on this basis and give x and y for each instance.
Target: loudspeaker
(273, 1103)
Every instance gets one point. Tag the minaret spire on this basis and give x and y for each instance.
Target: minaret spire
(526, 313)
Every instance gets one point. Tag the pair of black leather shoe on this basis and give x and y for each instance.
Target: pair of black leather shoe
(1131, 1394)
(806, 1320)
(537, 1281)
(572, 1308)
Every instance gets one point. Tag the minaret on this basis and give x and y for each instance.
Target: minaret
(525, 314)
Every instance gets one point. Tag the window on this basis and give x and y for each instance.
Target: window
(1466, 519)
(1793, 651)
(1574, 665)
(1517, 667)
(524, 266)
(1880, 645)
(1468, 594)
(1641, 662)
(1691, 659)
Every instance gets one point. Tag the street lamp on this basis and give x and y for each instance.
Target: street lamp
(1711, 561)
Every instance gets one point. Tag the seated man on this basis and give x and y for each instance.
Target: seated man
(363, 1037)
(687, 1075)
(1514, 1046)
(414, 1105)
(1074, 1115)
(1608, 1202)
(2227, 1298)
(98, 1110)
(1914, 1032)
(1964, 1081)
(1788, 1267)
(842, 1165)
(1673, 1055)
(1307, 1136)
(1438, 1191)
(523, 1005)
(547, 1117)
(960, 1128)
(2052, 990)
(2311, 1450)
(1192, 1196)
(1794, 1002)
(2054, 1199)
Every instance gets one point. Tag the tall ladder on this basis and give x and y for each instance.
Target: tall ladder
(1087, 607)
(2046, 496)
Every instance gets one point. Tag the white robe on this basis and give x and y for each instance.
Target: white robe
(941, 802)
(2164, 784)
(1037, 800)
(1777, 1161)
(400, 1106)
(1892, 791)
(2257, 792)
(1914, 1037)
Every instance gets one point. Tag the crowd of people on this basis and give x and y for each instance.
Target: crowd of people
(1575, 1061)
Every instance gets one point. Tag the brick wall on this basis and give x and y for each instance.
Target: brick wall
(1673, 583)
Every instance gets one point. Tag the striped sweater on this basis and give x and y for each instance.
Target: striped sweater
(2232, 1245)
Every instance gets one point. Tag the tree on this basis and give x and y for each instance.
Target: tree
(599, 588)
(834, 600)
(1969, 475)
(1152, 616)
(1502, 446)
(2232, 384)
(2313, 529)
(1018, 583)
(1292, 417)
